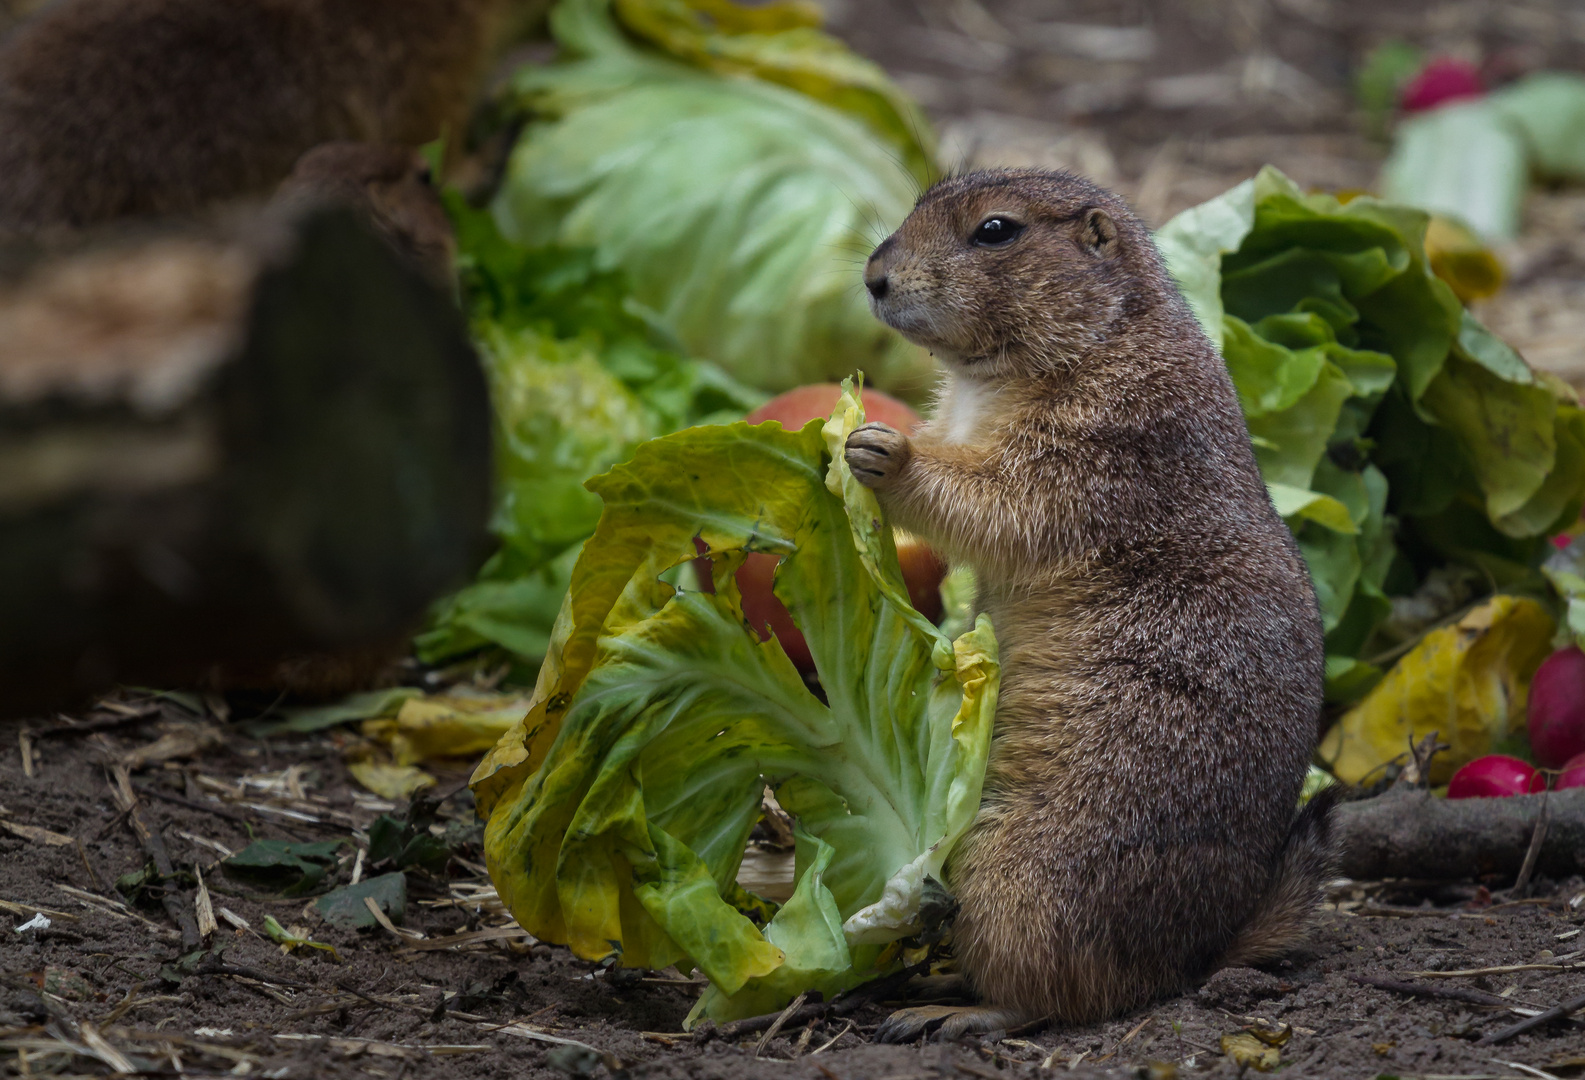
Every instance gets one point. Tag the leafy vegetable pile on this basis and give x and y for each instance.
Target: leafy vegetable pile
(736, 163)
(698, 179)
(1415, 455)
(619, 809)
(579, 378)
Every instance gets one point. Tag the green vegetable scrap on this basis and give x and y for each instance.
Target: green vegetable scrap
(1474, 159)
(619, 809)
(579, 377)
(737, 164)
(1396, 433)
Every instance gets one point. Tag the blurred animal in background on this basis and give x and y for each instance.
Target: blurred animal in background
(124, 108)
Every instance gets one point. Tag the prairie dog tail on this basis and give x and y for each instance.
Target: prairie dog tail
(1284, 916)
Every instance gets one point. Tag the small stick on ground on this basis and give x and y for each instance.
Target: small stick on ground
(1429, 990)
(780, 1022)
(174, 902)
(217, 811)
(1557, 1012)
(1538, 837)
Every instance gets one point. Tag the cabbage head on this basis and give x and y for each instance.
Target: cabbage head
(737, 165)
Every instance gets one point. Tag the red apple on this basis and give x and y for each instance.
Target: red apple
(1556, 719)
(1495, 775)
(1573, 774)
(797, 407)
(922, 568)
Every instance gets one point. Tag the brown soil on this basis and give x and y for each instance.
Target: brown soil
(388, 1010)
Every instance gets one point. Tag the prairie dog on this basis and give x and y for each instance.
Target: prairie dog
(119, 108)
(1160, 638)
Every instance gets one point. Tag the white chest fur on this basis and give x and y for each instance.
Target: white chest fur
(963, 414)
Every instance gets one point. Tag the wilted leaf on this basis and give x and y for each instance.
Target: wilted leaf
(287, 867)
(390, 781)
(345, 907)
(447, 725)
(1468, 682)
(1248, 1051)
(406, 844)
(1462, 259)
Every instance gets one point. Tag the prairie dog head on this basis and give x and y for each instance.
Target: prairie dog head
(1013, 272)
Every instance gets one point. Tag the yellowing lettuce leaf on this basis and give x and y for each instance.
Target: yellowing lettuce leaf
(447, 725)
(618, 810)
(1467, 682)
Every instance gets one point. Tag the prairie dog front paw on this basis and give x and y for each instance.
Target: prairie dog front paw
(877, 454)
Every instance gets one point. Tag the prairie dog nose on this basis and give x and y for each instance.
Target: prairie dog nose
(876, 281)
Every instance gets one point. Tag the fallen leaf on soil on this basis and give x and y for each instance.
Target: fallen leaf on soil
(390, 781)
(1248, 1051)
(447, 725)
(290, 867)
(1468, 682)
(345, 907)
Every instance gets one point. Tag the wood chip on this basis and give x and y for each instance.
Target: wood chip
(33, 909)
(102, 1050)
(203, 907)
(493, 933)
(204, 841)
(37, 835)
(25, 748)
(235, 920)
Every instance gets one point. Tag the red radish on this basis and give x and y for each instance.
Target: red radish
(1557, 708)
(922, 568)
(1573, 774)
(1495, 775)
(1441, 81)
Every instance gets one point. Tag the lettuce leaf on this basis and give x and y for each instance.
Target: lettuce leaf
(579, 377)
(736, 165)
(619, 808)
(1395, 432)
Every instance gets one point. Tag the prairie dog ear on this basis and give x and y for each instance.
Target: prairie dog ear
(1098, 232)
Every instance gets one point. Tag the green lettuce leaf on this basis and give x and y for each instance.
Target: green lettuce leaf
(579, 377)
(1396, 433)
(737, 180)
(619, 809)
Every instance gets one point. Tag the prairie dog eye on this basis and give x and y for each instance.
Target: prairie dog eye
(993, 232)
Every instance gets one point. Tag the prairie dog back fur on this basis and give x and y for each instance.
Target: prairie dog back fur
(1160, 639)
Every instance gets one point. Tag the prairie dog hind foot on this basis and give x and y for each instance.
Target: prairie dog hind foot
(947, 1022)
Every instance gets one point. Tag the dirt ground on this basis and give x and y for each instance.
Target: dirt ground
(1183, 99)
(103, 980)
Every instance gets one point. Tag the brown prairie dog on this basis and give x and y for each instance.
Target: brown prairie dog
(1160, 641)
(117, 108)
